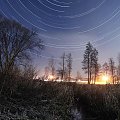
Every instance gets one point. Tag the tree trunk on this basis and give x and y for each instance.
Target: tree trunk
(88, 72)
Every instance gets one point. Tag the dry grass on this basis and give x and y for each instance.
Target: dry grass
(99, 102)
(42, 101)
(53, 101)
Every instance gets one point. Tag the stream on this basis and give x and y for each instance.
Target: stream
(77, 115)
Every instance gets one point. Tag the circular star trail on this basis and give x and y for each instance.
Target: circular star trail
(67, 25)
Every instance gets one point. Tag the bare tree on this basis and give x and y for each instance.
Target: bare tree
(119, 64)
(16, 44)
(105, 68)
(118, 68)
(47, 71)
(60, 73)
(94, 64)
(112, 68)
(69, 65)
(52, 66)
(62, 69)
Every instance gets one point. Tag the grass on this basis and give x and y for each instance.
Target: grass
(44, 101)
(54, 101)
(99, 102)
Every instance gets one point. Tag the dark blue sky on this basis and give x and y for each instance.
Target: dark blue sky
(67, 25)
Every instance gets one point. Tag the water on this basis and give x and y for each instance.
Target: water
(77, 115)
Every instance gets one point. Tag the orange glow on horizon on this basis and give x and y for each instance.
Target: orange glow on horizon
(105, 78)
(51, 77)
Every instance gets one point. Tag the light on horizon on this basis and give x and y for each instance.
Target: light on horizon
(105, 78)
(50, 77)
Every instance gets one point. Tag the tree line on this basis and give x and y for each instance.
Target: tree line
(18, 43)
(92, 67)
(64, 70)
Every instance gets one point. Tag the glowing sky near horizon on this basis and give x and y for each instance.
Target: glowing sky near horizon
(67, 25)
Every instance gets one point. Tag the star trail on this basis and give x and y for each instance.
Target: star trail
(67, 25)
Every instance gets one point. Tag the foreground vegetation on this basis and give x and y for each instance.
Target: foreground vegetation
(54, 101)
(39, 100)
(98, 102)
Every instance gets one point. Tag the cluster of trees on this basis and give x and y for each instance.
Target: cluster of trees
(65, 68)
(90, 62)
(50, 69)
(112, 69)
(17, 43)
(92, 67)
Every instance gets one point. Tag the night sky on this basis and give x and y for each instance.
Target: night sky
(67, 25)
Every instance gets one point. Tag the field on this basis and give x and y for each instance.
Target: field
(56, 101)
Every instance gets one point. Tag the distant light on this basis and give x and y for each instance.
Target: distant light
(105, 78)
(51, 77)
(45, 80)
(72, 81)
(59, 80)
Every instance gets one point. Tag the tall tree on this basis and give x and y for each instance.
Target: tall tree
(60, 73)
(47, 71)
(86, 60)
(69, 65)
(63, 65)
(105, 68)
(94, 64)
(16, 44)
(52, 66)
(62, 69)
(118, 68)
(90, 60)
(112, 68)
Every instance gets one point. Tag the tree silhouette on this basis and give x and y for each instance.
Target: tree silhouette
(46, 72)
(118, 68)
(51, 65)
(69, 65)
(112, 68)
(94, 64)
(61, 70)
(90, 61)
(16, 44)
(105, 68)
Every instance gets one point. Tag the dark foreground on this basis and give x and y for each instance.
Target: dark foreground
(55, 101)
